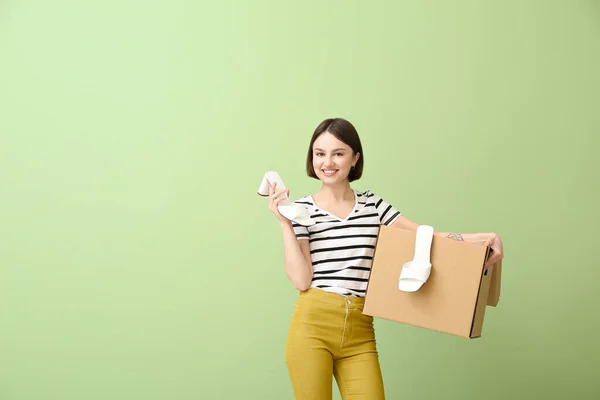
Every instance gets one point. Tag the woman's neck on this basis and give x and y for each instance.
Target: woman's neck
(331, 194)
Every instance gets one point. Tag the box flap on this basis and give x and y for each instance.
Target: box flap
(494, 291)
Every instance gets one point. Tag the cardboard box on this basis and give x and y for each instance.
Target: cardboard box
(454, 298)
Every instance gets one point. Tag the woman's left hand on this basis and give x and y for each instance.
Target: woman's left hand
(496, 252)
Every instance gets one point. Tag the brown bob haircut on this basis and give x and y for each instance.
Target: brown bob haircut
(345, 132)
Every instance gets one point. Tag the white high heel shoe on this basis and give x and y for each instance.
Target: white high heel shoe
(292, 211)
(416, 272)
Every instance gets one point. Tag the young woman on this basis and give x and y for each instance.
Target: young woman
(329, 263)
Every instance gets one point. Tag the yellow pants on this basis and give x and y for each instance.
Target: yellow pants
(330, 336)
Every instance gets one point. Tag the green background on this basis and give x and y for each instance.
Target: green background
(137, 261)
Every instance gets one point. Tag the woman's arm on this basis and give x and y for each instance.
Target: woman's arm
(487, 239)
(298, 262)
(404, 223)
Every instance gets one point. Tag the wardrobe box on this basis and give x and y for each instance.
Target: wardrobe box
(453, 300)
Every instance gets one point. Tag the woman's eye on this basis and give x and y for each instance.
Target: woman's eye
(323, 154)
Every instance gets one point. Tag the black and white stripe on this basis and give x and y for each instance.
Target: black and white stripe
(342, 248)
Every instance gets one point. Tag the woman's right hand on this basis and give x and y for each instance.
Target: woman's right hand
(275, 198)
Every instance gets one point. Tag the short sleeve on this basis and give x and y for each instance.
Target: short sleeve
(301, 231)
(388, 214)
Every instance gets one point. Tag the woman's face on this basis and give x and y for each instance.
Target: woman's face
(332, 159)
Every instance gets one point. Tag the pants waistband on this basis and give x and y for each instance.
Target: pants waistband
(333, 298)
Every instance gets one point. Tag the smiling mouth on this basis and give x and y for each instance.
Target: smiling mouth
(329, 172)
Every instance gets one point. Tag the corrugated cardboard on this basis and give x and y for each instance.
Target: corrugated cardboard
(454, 298)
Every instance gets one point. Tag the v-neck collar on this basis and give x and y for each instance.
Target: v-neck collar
(335, 216)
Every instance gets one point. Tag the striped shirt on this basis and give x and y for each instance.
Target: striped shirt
(342, 249)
